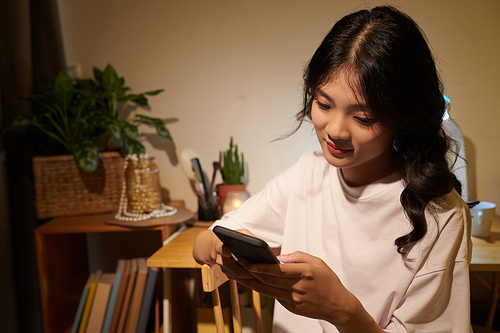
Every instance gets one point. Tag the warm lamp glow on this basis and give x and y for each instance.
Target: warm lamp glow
(233, 201)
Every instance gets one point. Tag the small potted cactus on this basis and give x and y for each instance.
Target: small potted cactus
(232, 169)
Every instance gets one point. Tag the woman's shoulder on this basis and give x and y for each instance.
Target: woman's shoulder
(451, 205)
(448, 215)
(448, 235)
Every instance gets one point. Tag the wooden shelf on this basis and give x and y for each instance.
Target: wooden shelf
(63, 265)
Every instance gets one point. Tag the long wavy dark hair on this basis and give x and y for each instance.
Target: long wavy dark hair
(394, 72)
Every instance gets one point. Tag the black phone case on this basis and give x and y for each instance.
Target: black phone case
(244, 246)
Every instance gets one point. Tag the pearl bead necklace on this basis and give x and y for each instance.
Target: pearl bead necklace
(124, 215)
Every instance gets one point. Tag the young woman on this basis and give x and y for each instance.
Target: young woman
(371, 231)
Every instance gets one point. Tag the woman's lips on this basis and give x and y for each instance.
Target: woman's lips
(337, 150)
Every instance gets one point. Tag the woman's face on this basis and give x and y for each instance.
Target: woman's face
(350, 138)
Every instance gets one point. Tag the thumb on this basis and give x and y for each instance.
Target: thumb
(299, 257)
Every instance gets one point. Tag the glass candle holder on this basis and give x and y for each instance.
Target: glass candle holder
(233, 201)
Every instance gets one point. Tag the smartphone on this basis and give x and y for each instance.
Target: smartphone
(251, 248)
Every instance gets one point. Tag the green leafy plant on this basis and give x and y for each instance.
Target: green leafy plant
(86, 115)
(231, 168)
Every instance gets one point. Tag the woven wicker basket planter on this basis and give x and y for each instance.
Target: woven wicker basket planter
(62, 189)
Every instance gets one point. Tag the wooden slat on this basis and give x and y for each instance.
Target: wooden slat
(219, 319)
(257, 311)
(235, 306)
(212, 277)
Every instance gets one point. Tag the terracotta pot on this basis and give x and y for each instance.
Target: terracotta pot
(223, 190)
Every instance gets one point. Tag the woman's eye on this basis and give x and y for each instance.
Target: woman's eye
(366, 121)
(322, 106)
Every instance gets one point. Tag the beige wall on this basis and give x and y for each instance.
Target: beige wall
(233, 67)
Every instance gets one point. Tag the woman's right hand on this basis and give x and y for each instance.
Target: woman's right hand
(209, 249)
(205, 248)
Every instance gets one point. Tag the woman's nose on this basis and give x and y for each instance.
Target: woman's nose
(337, 127)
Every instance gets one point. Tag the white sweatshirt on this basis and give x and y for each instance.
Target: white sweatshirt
(310, 208)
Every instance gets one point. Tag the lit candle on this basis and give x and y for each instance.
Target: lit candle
(233, 201)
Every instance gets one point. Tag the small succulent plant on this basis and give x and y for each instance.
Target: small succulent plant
(231, 168)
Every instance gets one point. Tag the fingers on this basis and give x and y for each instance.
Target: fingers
(265, 289)
(293, 265)
(230, 264)
(296, 266)
(300, 257)
(232, 268)
(273, 275)
(299, 284)
(246, 232)
(275, 280)
(222, 250)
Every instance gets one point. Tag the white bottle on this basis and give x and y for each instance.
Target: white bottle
(458, 163)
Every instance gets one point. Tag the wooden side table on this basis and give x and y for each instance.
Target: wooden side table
(63, 266)
(176, 254)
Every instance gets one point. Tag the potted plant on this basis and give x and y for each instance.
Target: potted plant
(87, 118)
(232, 169)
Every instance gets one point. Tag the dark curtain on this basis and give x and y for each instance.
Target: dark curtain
(31, 53)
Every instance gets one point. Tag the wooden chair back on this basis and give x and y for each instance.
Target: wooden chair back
(212, 278)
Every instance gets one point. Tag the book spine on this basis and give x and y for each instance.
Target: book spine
(79, 311)
(111, 304)
(147, 300)
(88, 307)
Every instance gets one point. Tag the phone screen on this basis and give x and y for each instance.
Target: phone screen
(251, 248)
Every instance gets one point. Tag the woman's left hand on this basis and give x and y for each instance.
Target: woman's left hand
(305, 285)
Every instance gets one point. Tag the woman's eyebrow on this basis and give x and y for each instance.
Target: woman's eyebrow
(351, 108)
(358, 107)
(325, 95)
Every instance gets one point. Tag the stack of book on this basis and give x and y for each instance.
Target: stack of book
(117, 302)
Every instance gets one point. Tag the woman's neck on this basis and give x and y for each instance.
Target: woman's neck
(367, 173)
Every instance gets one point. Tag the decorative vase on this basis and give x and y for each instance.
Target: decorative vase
(141, 198)
(223, 190)
(143, 188)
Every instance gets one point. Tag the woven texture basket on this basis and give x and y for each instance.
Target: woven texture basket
(62, 189)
